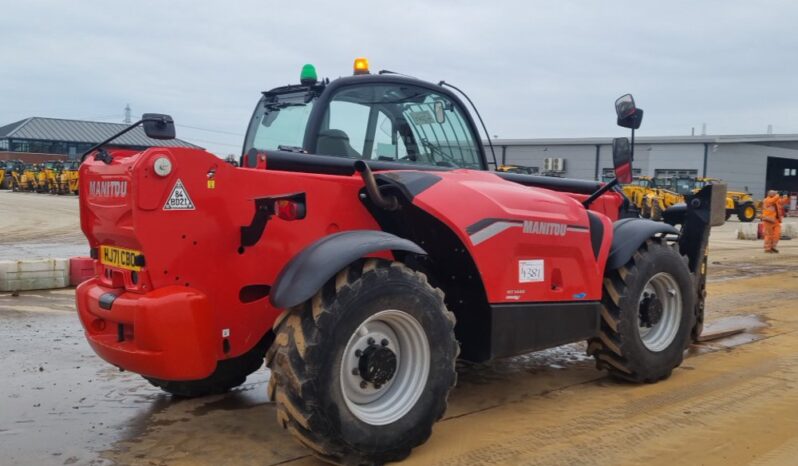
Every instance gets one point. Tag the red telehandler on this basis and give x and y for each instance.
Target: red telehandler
(360, 247)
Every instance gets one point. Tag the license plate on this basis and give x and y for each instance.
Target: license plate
(119, 257)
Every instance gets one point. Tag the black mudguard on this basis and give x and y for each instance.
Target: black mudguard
(309, 270)
(627, 236)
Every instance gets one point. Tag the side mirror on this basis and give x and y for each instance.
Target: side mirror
(158, 126)
(629, 116)
(622, 160)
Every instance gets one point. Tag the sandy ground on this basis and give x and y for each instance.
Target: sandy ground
(35, 226)
(733, 401)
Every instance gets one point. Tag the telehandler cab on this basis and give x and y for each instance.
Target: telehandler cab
(361, 246)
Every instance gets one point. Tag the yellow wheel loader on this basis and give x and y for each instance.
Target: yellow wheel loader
(738, 203)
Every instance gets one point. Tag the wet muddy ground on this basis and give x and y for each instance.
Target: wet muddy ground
(733, 401)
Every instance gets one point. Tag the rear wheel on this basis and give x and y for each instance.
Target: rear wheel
(229, 374)
(362, 371)
(746, 212)
(647, 315)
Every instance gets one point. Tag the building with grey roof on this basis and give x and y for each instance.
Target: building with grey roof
(72, 137)
(754, 163)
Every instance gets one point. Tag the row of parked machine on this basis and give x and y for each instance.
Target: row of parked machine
(53, 177)
(653, 195)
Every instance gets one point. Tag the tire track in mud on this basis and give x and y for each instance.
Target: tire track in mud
(618, 421)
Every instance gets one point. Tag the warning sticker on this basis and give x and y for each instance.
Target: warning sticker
(179, 199)
(530, 271)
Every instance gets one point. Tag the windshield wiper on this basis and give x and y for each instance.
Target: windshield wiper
(281, 105)
(295, 149)
(435, 149)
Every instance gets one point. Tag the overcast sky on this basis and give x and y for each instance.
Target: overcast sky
(534, 69)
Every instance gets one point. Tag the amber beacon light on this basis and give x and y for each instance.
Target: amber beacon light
(361, 66)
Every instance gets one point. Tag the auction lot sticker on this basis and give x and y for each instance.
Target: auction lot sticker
(179, 198)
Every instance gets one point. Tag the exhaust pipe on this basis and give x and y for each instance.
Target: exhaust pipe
(376, 197)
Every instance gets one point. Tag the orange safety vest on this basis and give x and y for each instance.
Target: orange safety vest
(772, 209)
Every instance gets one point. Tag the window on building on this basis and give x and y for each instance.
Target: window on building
(674, 172)
(607, 174)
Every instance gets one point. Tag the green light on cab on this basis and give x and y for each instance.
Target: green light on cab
(308, 75)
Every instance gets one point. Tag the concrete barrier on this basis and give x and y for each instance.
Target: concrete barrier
(790, 230)
(38, 274)
(747, 231)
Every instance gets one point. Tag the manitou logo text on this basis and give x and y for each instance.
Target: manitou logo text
(544, 228)
(108, 188)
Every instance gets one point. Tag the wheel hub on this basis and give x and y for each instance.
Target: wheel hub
(650, 310)
(377, 364)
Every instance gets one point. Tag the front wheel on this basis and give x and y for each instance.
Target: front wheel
(362, 371)
(647, 316)
(746, 212)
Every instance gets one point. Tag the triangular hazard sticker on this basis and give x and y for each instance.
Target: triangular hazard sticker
(179, 199)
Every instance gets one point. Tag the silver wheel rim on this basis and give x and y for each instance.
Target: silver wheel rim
(661, 334)
(387, 403)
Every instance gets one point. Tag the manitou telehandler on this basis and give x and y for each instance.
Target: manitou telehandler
(361, 246)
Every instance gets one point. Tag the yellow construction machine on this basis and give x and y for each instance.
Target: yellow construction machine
(26, 178)
(640, 191)
(517, 169)
(738, 203)
(6, 173)
(48, 177)
(68, 178)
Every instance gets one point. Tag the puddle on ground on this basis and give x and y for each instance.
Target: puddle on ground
(730, 332)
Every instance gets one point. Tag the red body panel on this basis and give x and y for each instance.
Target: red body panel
(186, 298)
(570, 269)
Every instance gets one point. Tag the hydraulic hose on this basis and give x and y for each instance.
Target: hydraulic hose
(376, 197)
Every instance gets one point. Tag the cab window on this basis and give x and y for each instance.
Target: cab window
(401, 123)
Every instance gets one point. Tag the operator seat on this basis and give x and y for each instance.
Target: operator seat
(335, 142)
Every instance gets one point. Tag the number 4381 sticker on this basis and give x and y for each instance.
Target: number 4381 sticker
(530, 271)
(179, 199)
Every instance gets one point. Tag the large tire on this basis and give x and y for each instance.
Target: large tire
(645, 209)
(316, 381)
(634, 344)
(229, 374)
(746, 212)
(656, 211)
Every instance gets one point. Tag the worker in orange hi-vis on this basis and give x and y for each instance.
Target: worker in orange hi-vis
(772, 213)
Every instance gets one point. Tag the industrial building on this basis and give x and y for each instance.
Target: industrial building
(37, 139)
(754, 163)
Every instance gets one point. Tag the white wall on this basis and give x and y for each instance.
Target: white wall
(740, 165)
(580, 160)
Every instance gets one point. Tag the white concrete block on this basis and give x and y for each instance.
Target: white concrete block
(747, 231)
(789, 229)
(40, 274)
